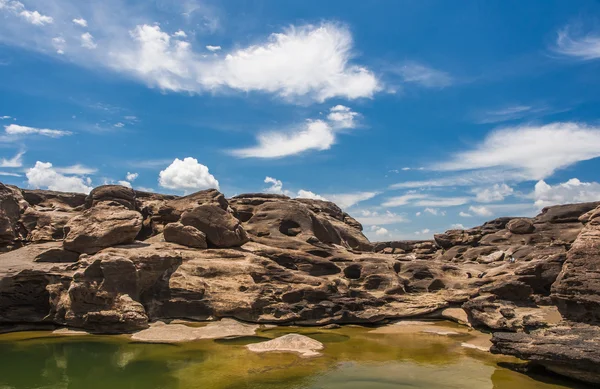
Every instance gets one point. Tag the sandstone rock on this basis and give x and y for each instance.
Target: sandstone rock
(294, 343)
(569, 349)
(111, 193)
(491, 258)
(101, 226)
(160, 332)
(577, 288)
(185, 235)
(520, 226)
(220, 227)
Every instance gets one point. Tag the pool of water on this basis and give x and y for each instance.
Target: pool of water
(353, 358)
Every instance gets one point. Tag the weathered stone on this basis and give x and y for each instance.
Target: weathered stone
(219, 226)
(185, 235)
(101, 226)
(520, 226)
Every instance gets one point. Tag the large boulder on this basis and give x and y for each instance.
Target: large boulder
(185, 235)
(111, 193)
(520, 226)
(101, 226)
(220, 227)
(11, 206)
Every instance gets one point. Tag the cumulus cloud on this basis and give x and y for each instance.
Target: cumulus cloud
(87, 41)
(307, 194)
(276, 185)
(457, 226)
(380, 231)
(180, 34)
(584, 47)
(17, 8)
(16, 161)
(342, 116)
(309, 61)
(44, 176)
(81, 22)
(187, 175)
(572, 191)
(533, 152)
(131, 176)
(480, 210)
(496, 192)
(435, 211)
(125, 183)
(423, 75)
(15, 129)
(213, 48)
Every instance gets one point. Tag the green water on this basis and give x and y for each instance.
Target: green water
(354, 357)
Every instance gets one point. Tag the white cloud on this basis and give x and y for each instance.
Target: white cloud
(81, 22)
(347, 200)
(480, 210)
(312, 135)
(457, 226)
(34, 17)
(533, 152)
(342, 116)
(572, 191)
(18, 8)
(306, 61)
(425, 76)
(5, 117)
(180, 34)
(423, 231)
(496, 192)
(131, 176)
(585, 47)
(369, 218)
(418, 213)
(464, 214)
(9, 174)
(15, 129)
(403, 200)
(187, 175)
(43, 176)
(306, 194)
(435, 211)
(276, 185)
(87, 41)
(213, 48)
(315, 135)
(119, 125)
(59, 44)
(16, 161)
(75, 169)
(380, 231)
(125, 183)
(441, 201)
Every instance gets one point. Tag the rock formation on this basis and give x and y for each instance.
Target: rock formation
(118, 260)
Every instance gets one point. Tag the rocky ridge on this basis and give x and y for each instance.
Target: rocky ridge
(117, 260)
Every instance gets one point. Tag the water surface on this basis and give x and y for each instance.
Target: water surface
(354, 357)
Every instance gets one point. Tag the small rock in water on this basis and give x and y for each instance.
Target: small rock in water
(295, 343)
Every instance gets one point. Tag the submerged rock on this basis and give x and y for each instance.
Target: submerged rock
(292, 343)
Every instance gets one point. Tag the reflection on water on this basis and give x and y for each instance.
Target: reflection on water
(354, 358)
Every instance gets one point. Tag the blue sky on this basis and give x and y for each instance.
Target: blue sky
(414, 116)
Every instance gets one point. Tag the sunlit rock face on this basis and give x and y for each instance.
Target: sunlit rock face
(118, 259)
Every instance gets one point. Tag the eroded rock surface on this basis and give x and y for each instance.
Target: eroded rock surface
(120, 260)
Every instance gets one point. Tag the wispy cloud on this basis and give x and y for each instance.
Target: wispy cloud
(16, 161)
(582, 46)
(312, 135)
(15, 129)
(412, 72)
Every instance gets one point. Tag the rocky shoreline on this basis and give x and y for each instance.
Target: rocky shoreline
(117, 260)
